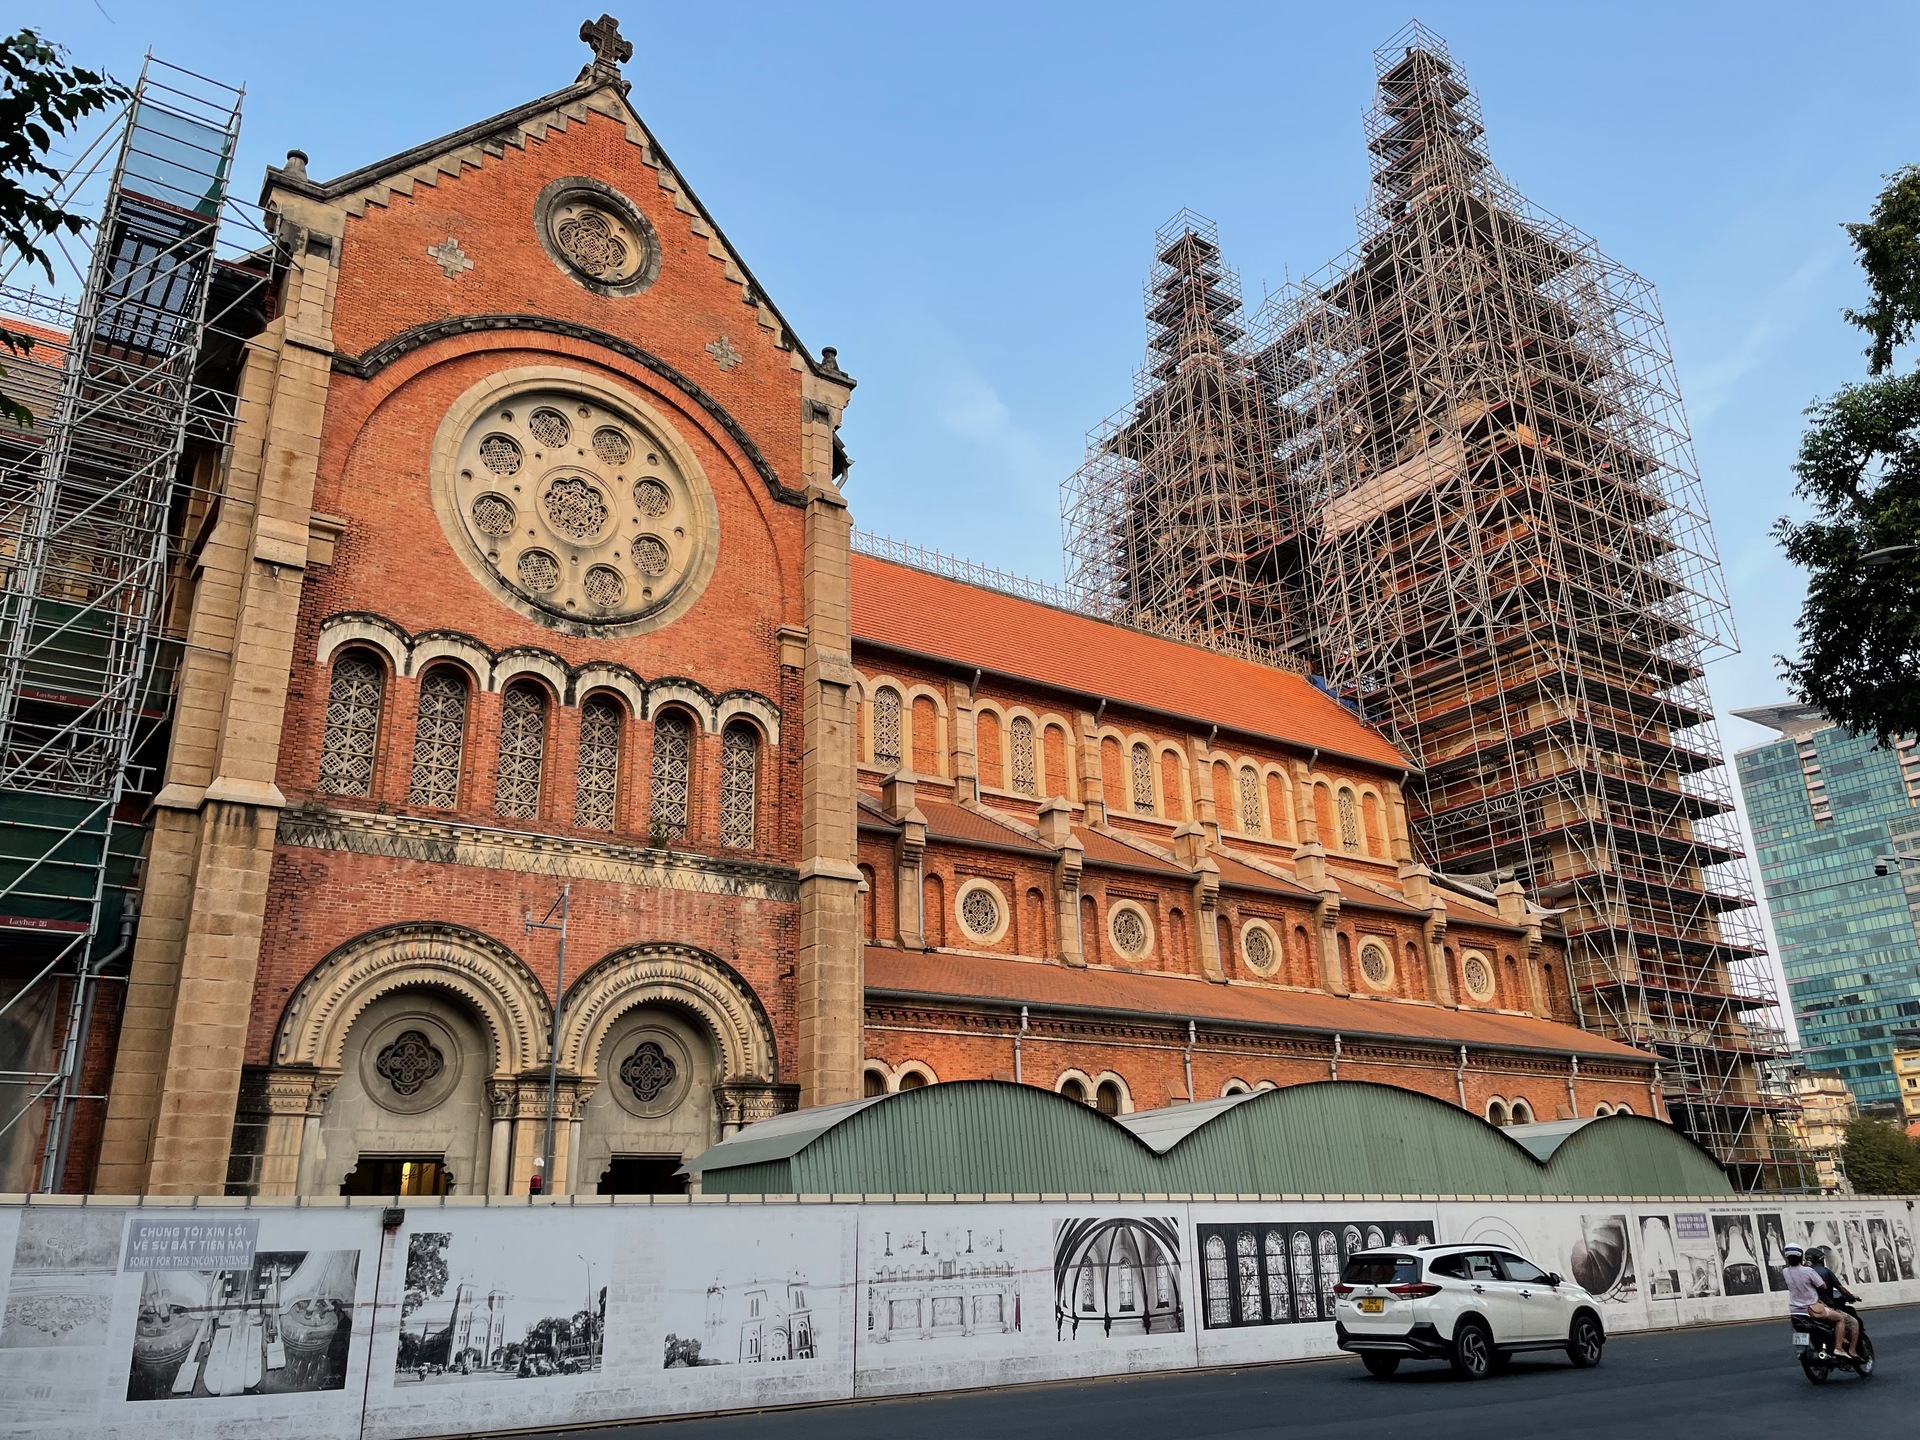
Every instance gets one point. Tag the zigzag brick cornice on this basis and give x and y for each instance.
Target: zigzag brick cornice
(445, 842)
(394, 347)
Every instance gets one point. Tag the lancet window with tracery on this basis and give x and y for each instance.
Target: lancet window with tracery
(1142, 779)
(523, 751)
(1349, 821)
(670, 800)
(739, 786)
(1249, 801)
(439, 739)
(352, 737)
(596, 797)
(886, 728)
(1020, 742)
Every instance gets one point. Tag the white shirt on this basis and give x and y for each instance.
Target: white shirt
(1803, 1288)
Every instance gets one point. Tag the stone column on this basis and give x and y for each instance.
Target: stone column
(500, 1103)
(1206, 805)
(1056, 833)
(1093, 792)
(909, 859)
(1416, 883)
(829, 989)
(962, 762)
(295, 1099)
(176, 1082)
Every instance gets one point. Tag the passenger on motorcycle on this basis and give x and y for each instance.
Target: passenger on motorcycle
(1815, 1291)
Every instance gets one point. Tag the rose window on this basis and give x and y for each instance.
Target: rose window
(1129, 928)
(577, 510)
(409, 1063)
(1257, 946)
(980, 911)
(589, 241)
(1375, 965)
(649, 1072)
(1479, 977)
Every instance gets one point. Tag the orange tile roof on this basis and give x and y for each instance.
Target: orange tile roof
(927, 614)
(1105, 850)
(972, 978)
(958, 822)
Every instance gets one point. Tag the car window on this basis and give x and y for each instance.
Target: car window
(1381, 1270)
(1481, 1266)
(1524, 1271)
(1451, 1267)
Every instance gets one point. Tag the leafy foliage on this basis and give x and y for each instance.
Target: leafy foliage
(1880, 1159)
(1859, 467)
(426, 1269)
(41, 96)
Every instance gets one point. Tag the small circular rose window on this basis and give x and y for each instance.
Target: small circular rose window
(1131, 935)
(600, 237)
(1478, 975)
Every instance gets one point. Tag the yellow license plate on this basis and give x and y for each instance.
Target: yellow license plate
(1372, 1305)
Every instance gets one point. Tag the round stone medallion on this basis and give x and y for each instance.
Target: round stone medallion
(597, 235)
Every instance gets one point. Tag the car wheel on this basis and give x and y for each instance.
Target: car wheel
(1585, 1342)
(1472, 1350)
(1381, 1365)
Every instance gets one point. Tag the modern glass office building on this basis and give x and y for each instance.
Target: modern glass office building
(1826, 806)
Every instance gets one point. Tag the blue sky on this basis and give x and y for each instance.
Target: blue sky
(962, 198)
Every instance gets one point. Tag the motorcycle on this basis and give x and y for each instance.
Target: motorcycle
(1813, 1342)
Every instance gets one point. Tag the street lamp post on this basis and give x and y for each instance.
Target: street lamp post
(563, 907)
(593, 1322)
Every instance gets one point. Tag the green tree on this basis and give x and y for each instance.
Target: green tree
(1880, 1159)
(1859, 467)
(426, 1269)
(41, 96)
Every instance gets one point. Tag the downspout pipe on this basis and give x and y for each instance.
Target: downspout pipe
(1188, 1060)
(1018, 1036)
(129, 920)
(1460, 1077)
(1336, 1055)
(1573, 1080)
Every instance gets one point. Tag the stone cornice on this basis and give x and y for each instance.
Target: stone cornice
(446, 842)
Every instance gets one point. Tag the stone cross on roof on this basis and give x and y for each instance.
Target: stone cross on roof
(609, 47)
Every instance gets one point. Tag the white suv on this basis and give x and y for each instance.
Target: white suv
(1474, 1305)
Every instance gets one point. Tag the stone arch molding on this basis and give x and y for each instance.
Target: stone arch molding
(451, 959)
(679, 975)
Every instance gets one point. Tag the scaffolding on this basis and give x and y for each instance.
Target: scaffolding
(1169, 525)
(130, 383)
(1488, 535)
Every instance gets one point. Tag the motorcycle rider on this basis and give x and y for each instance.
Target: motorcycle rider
(1815, 1291)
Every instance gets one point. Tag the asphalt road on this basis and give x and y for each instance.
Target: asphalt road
(1729, 1381)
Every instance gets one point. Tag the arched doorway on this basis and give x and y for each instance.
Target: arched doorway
(409, 1115)
(652, 1106)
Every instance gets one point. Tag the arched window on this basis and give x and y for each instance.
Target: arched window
(1277, 807)
(873, 1082)
(1305, 1292)
(1058, 780)
(670, 801)
(439, 739)
(1142, 779)
(870, 903)
(1522, 1113)
(914, 1080)
(1497, 1113)
(354, 697)
(886, 728)
(1107, 1098)
(1602, 1110)
(933, 910)
(1033, 925)
(986, 750)
(739, 785)
(1249, 801)
(1073, 1090)
(523, 750)
(1247, 1269)
(1376, 827)
(926, 737)
(1090, 946)
(1172, 792)
(1623, 1109)
(1349, 822)
(1279, 1293)
(1329, 1252)
(1219, 1302)
(596, 795)
(1025, 777)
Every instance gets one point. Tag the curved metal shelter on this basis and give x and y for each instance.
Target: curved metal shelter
(988, 1137)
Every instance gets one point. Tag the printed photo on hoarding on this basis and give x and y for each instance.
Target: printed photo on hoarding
(1739, 1255)
(1858, 1251)
(1820, 1236)
(951, 1282)
(1602, 1259)
(1903, 1246)
(475, 1312)
(1282, 1273)
(1660, 1257)
(1699, 1255)
(1117, 1276)
(1773, 1250)
(1886, 1269)
(276, 1325)
(64, 1262)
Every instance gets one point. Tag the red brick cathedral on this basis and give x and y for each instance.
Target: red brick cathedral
(528, 594)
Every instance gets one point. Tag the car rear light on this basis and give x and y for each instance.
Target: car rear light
(1413, 1292)
(1343, 1289)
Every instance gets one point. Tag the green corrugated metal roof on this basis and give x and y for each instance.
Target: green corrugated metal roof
(978, 1137)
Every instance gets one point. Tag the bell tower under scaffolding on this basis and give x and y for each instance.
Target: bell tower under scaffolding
(130, 386)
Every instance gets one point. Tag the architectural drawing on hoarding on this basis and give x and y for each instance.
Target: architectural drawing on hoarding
(1739, 1255)
(1602, 1259)
(1114, 1275)
(279, 1325)
(1773, 1251)
(1699, 1255)
(760, 1322)
(1659, 1257)
(61, 1292)
(1257, 1273)
(930, 1284)
(478, 1311)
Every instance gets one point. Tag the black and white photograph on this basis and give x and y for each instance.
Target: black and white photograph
(278, 1325)
(475, 1312)
(1117, 1276)
(1886, 1269)
(1659, 1257)
(61, 1293)
(1820, 1236)
(943, 1282)
(1903, 1246)
(1602, 1259)
(1698, 1255)
(1739, 1255)
(1264, 1273)
(1773, 1250)
(1859, 1251)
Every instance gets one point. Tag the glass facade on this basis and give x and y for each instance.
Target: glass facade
(1825, 805)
